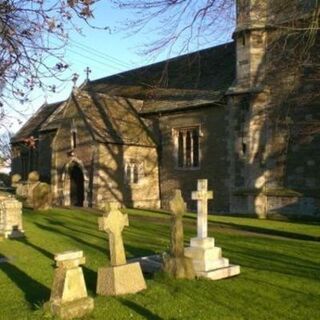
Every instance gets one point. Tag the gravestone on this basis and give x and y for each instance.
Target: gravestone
(176, 263)
(69, 298)
(10, 217)
(121, 277)
(207, 259)
(15, 180)
(34, 193)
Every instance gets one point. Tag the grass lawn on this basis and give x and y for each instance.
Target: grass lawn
(280, 268)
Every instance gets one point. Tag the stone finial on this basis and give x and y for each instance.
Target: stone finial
(69, 259)
(177, 204)
(33, 177)
(69, 298)
(15, 180)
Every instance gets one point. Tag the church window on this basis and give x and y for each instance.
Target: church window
(187, 147)
(73, 136)
(243, 38)
(133, 172)
(24, 165)
(74, 139)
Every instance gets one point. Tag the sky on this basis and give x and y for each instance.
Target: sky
(105, 52)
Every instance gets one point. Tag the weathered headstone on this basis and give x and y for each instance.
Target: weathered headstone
(69, 298)
(121, 277)
(176, 263)
(33, 193)
(15, 180)
(42, 196)
(207, 259)
(10, 217)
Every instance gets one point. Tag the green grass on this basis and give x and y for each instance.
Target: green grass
(280, 268)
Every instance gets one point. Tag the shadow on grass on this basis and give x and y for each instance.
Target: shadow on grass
(147, 314)
(276, 262)
(264, 231)
(133, 251)
(67, 234)
(91, 279)
(35, 292)
(41, 250)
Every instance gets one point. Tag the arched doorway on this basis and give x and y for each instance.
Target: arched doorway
(76, 185)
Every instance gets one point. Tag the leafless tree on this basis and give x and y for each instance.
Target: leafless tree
(33, 34)
(179, 24)
(5, 150)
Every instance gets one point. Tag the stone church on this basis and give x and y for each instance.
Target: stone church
(245, 115)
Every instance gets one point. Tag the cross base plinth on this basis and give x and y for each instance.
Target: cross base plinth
(208, 261)
(118, 280)
(70, 310)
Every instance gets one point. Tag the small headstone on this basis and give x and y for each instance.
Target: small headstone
(15, 180)
(121, 277)
(176, 263)
(42, 196)
(33, 193)
(10, 217)
(207, 259)
(69, 298)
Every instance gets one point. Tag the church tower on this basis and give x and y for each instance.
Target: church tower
(248, 100)
(250, 39)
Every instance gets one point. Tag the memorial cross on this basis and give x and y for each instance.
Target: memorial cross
(113, 223)
(178, 208)
(202, 195)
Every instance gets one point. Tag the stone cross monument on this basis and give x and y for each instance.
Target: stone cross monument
(202, 195)
(176, 264)
(113, 224)
(69, 297)
(121, 277)
(207, 259)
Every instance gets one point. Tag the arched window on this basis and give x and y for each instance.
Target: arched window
(133, 172)
(187, 147)
(73, 136)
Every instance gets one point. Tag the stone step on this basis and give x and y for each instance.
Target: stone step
(203, 253)
(204, 243)
(221, 273)
(206, 265)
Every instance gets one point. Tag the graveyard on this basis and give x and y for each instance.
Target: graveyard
(279, 279)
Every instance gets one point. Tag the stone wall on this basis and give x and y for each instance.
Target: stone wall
(274, 125)
(64, 155)
(214, 160)
(112, 183)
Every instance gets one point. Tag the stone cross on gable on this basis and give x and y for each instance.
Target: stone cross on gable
(113, 223)
(87, 70)
(202, 195)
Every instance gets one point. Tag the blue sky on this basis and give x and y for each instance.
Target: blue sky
(104, 52)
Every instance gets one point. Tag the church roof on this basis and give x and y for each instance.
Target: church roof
(32, 126)
(190, 80)
(113, 119)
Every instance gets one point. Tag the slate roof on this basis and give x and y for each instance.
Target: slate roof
(113, 119)
(193, 79)
(189, 81)
(32, 126)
